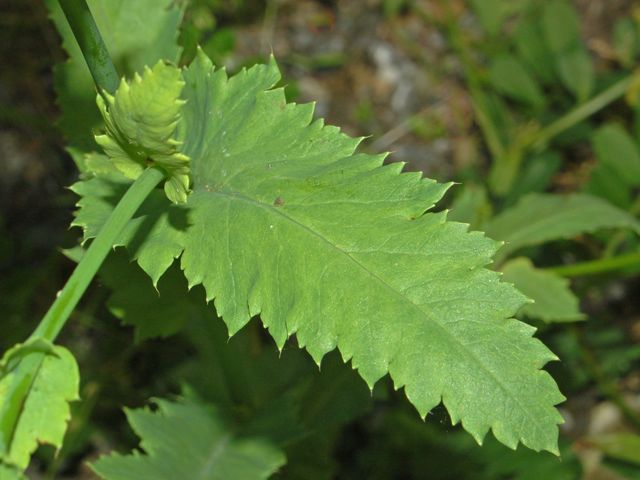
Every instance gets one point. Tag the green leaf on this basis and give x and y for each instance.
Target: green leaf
(539, 218)
(190, 440)
(10, 473)
(560, 26)
(140, 121)
(136, 34)
(625, 41)
(615, 148)
(510, 77)
(620, 446)
(533, 50)
(287, 222)
(493, 13)
(37, 381)
(576, 72)
(561, 30)
(554, 301)
(618, 167)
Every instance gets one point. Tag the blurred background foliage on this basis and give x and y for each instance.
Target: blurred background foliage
(531, 104)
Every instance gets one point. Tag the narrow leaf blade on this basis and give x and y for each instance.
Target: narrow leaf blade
(541, 218)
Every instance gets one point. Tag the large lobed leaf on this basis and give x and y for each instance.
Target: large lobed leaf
(617, 172)
(285, 221)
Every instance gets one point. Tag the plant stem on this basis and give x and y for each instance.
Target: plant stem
(69, 296)
(583, 111)
(94, 50)
(596, 267)
(25, 373)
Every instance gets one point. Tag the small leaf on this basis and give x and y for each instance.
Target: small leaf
(533, 50)
(491, 14)
(38, 380)
(616, 149)
(604, 183)
(189, 440)
(561, 30)
(511, 78)
(540, 218)
(141, 120)
(625, 41)
(618, 167)
(560, 26)
(554, 300)
(576, 72)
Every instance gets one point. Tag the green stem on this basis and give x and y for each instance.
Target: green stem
(69, 296)
(582, 112)
(94, 50)
(596, 267)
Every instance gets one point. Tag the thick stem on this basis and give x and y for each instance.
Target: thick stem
(94, 50)
(69, 296)
(597, 267)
